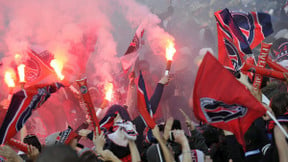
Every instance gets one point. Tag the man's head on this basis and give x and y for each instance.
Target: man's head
(279, 103)
(58, 153)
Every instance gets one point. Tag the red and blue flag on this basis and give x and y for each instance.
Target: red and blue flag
(238, 33)
(20, 109)
(143, 104)
(224, 102)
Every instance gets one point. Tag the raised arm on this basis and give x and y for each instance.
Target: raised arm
(162, 142)
(155, 98)
(135, 156)
(183, 141)
(131, 100)
(196, 140)
(281, 144)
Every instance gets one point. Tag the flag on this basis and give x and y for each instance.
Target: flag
(132, 53)
(143, 103)
(222, 101)
(255, 26)
(38, 69)
(238, 33)
(20, 109)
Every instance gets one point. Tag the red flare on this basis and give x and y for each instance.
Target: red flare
(170, 50)
(9, 79)
(109, 91)
(21, 73)
(57, 66)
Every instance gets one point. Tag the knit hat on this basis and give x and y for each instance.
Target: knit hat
(117, 108)
(63, 137)
(107, 121)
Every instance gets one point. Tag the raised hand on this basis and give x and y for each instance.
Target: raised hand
(33, 152)
(188, 121)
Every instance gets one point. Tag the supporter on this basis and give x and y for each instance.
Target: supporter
(32, 139)
(67, 136)
(117, 116)
(278, 149)
(9, 154)
(34, 148)
(178, 146)
(154, 153)
(58, 153)
(88, 156)
(256, 140)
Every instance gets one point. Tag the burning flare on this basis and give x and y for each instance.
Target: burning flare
(9, 79)
(21, 73)
(170, 50)
(57, 68)
(108, 87)
(109, 91)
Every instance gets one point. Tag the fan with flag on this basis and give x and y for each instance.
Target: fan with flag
(222, 101)
(21, 106)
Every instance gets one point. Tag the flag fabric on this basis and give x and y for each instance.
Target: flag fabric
(38, 69)
(143, 103)
(232, 44)
(222, 101)
(238, 33)
(20, 109)
(132, 52)
(255, 26)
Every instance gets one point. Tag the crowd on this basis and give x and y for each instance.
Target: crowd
(124, 135)
(123, 138)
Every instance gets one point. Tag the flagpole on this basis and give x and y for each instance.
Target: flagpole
(277, 123)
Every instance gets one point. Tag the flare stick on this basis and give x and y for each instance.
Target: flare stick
(88, 102)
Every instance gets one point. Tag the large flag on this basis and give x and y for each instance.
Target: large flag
(38, 69)
(132, 52)
(238, 33)
(222, 101)
(143, 103)
(255, 26)
(20, 109)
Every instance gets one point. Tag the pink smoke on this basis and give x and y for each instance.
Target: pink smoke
(79, 33)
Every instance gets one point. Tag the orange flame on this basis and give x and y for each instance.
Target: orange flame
(9, 79)
(109, 91)
(21, 73)
(57, 68)
(170, 50)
